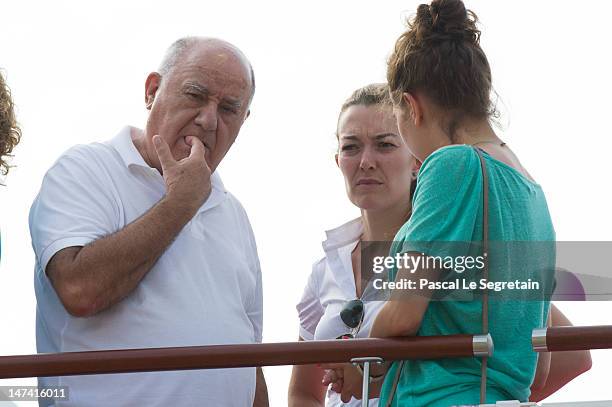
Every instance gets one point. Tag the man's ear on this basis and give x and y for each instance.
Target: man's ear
(336, 158)
(415, 109)
(151, 86)
(248, 114)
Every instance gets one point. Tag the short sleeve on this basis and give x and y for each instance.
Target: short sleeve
(73, 207)
(447, 203)
(309, 308)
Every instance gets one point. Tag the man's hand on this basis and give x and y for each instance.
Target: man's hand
(92, 278)
(187, 180)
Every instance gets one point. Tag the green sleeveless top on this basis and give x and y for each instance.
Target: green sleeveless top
(447, 207)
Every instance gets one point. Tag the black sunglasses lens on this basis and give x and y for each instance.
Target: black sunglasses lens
(352, 313)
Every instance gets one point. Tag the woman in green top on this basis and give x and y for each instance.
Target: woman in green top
(440, 83)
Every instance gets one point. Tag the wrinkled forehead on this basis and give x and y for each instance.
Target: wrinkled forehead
(219, 68)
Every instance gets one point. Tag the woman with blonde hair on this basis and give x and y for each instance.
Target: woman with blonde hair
(379, 175)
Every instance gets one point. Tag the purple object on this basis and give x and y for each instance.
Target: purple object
(569, 287)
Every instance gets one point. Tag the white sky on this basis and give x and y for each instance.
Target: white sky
(77, 72)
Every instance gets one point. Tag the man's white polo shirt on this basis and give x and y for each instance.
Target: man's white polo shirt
(205, 288)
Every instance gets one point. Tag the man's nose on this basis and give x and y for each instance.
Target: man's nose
(207, 117)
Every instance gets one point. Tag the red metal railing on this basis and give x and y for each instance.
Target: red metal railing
(566, 338)
(289, 353)
(248, 355)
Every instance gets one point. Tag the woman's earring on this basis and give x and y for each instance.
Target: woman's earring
(414, 174)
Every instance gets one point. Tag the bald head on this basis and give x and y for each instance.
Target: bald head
(186, 47)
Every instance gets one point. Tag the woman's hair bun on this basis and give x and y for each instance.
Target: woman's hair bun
(445, 20)
(440, 55)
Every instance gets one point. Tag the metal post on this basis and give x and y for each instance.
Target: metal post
(365, 389)
(365, 386)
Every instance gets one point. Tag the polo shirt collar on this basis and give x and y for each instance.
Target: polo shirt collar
(130, 155)
(126, 148)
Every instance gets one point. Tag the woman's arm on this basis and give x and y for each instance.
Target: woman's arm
(305, 387)
(564, 366)
(543, 366)
(399, 318)
(403, 312)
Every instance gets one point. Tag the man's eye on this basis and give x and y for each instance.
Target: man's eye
(348, 147)
(229, 109)
(194, 96)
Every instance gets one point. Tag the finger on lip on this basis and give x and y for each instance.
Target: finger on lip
(190, 140)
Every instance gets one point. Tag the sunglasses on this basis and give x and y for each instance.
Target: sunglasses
(352, 316)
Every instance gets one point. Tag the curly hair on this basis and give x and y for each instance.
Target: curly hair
(10, 133)
(440, 55)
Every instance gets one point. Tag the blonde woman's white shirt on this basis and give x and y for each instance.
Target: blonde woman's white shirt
(330, 285)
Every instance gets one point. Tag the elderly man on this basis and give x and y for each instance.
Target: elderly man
(138, 243)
